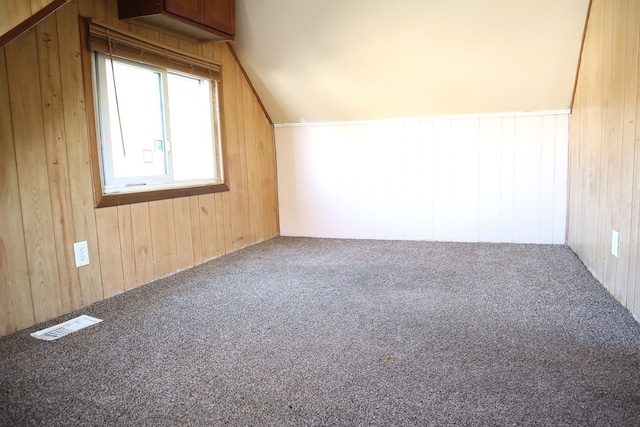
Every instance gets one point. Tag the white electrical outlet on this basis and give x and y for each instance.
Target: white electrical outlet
(614, 243)
(82, 253)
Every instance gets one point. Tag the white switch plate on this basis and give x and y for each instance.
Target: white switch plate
(81, 250)
(614, 243)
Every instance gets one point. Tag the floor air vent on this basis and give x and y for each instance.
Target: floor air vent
(65, 328)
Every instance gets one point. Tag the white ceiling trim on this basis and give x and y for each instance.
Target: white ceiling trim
(426, 118)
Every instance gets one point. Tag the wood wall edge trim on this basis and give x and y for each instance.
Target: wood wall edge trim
(31, 21)
(584, 36)
(87, 83)
(275, 177)
(223, 135)
(246, 76)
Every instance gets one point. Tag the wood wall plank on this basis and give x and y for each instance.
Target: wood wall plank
(595, 123)
(56, 149)
(107, 10)
(630, 103)
(262, 142)
(272, 205)
(228, 232)
(196, 229)
(13, 13)
(259, 143)
(183, 233)
(634, 252)
(208, 226)
(614, 145)
(163, 237)
(220, 224)
(252, 163)
(142, 243)
(232, 149)
(243, 126)
(110, 251)
(577, 153)
(127, 246)
(87, 7)
(273, 191)
(16, 304)
(30, 149)
(36, 5)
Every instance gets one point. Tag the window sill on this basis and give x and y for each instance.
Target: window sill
(105, 200)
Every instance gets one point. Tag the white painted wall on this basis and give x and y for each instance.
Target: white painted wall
(490, 179)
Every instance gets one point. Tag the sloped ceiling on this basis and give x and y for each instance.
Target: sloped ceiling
(339, 60)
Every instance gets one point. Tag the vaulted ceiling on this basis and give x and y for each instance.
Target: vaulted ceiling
(338, 60)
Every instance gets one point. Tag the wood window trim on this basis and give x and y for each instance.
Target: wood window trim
(104, 200)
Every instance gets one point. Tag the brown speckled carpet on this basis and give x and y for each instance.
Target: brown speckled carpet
(312, 332)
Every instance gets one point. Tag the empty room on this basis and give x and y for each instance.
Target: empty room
(323, 213)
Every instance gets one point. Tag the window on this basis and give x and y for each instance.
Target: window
(156, 126)
(157, 120)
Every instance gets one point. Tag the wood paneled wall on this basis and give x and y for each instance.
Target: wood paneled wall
(46, 200)
(605, 150)
(490, 179)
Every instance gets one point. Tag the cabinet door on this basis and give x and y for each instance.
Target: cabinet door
(221, 14)
(192, 9)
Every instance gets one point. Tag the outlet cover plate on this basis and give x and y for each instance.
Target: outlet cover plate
(81, 250)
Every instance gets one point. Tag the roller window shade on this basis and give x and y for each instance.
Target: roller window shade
(116, 42)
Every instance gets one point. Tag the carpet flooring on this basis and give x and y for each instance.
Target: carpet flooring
(324, 332)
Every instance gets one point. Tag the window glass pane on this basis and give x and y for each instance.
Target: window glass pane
(141, 115)
(191, 127)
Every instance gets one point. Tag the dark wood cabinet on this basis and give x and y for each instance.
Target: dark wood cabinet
(203, 20)
(191, 9)
(221, 14)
